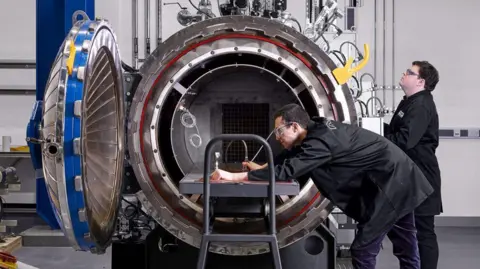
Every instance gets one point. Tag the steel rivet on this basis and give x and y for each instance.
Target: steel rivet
(155, 150)
(212, 52)
(157, 106)
(153, 127)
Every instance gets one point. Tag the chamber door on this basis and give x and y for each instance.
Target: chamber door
(83, 134)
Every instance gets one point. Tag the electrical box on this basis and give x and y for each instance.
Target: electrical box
(374, 124)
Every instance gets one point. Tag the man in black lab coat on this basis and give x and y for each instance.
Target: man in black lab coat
(362, 173)
(414, 128)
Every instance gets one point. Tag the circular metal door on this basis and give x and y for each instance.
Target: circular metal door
(83, 135)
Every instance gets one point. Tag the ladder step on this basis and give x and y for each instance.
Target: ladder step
(240, 238)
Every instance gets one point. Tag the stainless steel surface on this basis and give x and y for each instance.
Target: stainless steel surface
(159, 22)
(384, 56)
(102, 134)
(52, 127)
(135, 33)
(394, 82)
(223, 61)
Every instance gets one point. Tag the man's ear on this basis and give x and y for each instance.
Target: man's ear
(421, 83)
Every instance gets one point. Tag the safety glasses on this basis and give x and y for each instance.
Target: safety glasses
(281, 129)
(409, 72)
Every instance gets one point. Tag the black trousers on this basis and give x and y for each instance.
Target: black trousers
(427, 241)
(404, 241)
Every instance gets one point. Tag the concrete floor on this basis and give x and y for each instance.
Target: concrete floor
(459, 248)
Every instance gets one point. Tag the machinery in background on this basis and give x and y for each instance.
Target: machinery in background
(9, 181)
(112, 180)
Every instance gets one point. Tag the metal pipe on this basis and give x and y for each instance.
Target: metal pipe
(147, 28)
(375, 40)
(135, 33)
(384, 51)
(159, 22)
(393, 55)
(373, 94)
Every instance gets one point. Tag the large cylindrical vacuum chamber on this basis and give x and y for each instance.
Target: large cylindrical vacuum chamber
(226, 75)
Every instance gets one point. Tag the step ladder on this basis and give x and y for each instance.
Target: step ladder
(208, 236)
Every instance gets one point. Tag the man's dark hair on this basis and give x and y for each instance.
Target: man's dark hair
(293, 113)
(427, 72)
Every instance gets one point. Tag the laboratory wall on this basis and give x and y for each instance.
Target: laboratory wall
(433, 30)
(440, 32)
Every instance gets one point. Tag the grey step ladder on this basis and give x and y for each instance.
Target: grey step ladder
(208, 236)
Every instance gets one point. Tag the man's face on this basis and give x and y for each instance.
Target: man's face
(411, 79)
(286, 133)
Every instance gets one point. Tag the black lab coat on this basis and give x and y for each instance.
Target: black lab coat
(369, 178)
(414, 128)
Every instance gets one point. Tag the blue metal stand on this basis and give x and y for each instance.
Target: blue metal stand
(54, 21)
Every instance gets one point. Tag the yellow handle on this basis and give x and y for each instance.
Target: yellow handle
(71, 57)
(343, 74)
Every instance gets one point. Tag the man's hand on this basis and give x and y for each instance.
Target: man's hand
(253, 166)
(227, 176)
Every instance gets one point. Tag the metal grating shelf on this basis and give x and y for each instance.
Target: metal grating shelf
(244, 119)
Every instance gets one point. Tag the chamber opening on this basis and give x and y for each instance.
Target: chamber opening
(232, 93)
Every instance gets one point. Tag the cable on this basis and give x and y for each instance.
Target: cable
(339, 54)
(229, 144)
(361, 82)
(260, 149)
(362, 105)
(356, 82)
(355, 46)
(298, 23)
(370, 99)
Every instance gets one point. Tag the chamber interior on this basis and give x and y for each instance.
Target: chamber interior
(234, 93)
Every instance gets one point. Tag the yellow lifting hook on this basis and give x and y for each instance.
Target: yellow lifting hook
(71, 57)
(343, 74)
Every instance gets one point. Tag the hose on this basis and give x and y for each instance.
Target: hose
(356, 82)
(362, 105)
(370, 99)
(228, 146)
(338, 55)
(298, 23)
(355, 46)
(361, 81)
